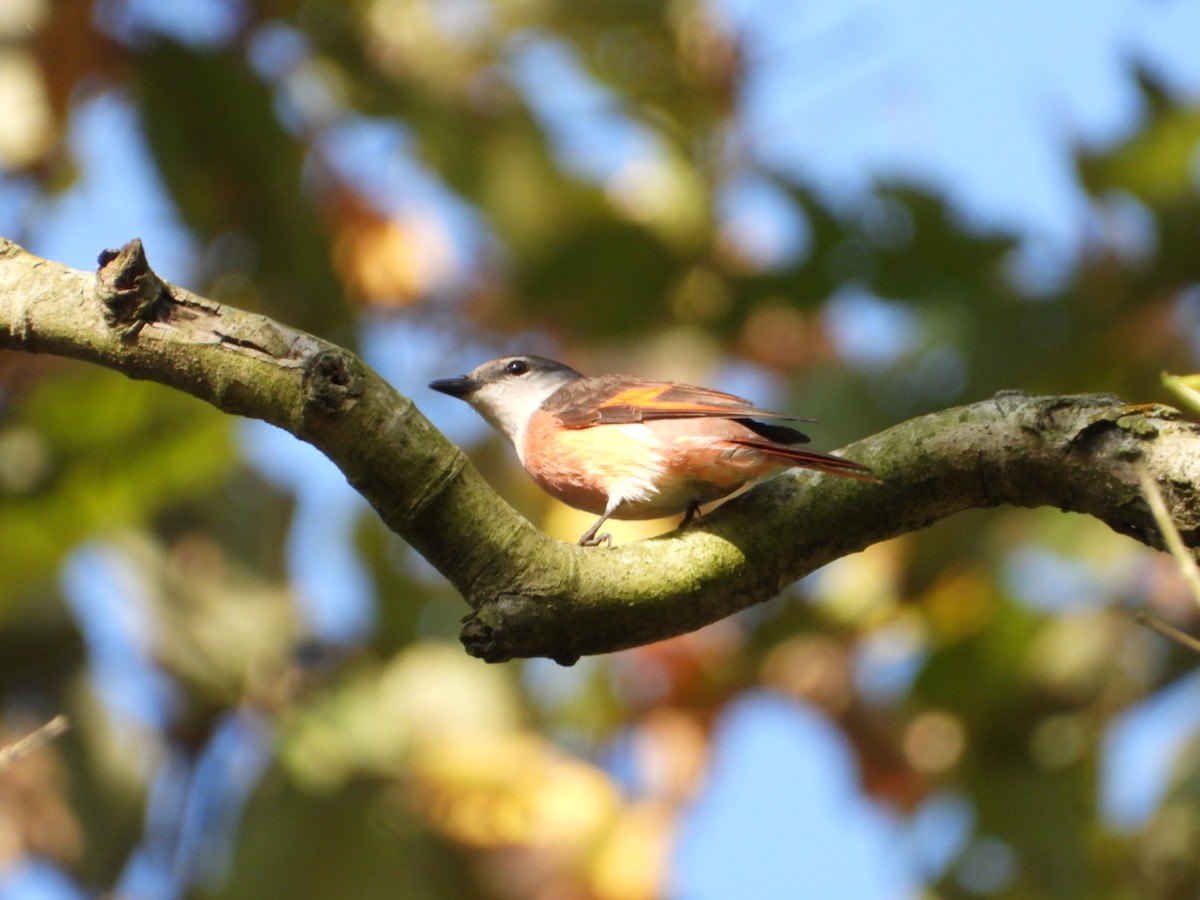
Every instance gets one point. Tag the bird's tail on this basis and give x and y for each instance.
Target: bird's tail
(810, 459)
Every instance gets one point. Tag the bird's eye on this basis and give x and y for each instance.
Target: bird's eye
(517, 367)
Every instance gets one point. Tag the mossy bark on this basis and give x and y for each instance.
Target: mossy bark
(534, 596)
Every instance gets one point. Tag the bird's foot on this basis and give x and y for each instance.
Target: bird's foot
(595, 540)
(692, 512)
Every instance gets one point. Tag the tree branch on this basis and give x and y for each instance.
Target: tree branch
(534, 596)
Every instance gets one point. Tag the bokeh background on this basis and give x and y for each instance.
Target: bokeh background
(859, 210)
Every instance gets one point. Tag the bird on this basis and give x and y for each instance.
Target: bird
(630, 448)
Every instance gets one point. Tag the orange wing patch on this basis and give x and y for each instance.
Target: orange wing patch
(670, 400)
(642, 395)
(613, 400)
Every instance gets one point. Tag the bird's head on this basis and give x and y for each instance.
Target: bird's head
(508, 390)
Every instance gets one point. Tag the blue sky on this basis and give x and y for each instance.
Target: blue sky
(783, 815)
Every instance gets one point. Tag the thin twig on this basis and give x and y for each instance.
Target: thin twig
(1182, 386)
(1183, 559)
(18, 750)
(1182, 638)
(1170, 534)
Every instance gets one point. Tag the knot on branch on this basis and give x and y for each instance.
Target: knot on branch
(333, 380)
(130, 293)
(488, 629)
(478, 638)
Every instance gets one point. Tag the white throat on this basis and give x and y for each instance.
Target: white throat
(508, 405)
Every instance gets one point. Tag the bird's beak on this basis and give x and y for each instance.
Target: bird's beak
(461, 387)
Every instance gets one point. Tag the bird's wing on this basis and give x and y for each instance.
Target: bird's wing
(615, 400)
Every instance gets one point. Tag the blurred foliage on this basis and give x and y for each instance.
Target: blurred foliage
(234, 170)
(84, 452)
(399, 767)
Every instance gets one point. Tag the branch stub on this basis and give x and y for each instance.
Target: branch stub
(333, 379)
(129, 291)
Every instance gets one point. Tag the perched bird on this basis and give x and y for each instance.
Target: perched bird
(627, 448)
